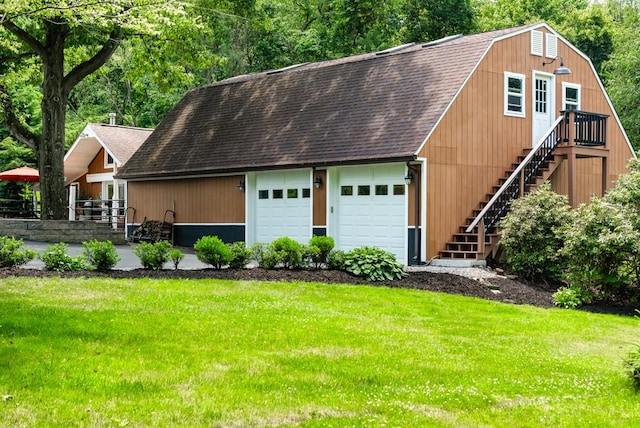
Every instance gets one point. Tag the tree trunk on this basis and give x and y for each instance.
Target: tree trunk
(51, 151)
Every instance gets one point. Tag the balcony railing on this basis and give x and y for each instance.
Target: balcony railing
(112, 211)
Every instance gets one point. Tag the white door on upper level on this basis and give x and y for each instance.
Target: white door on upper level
(543, 105)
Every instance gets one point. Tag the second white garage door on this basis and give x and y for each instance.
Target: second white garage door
(283, 206)
(371, 208)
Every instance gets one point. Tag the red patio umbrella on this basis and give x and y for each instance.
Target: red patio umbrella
(24, 173)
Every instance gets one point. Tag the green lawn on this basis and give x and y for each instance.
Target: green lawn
(102, 352)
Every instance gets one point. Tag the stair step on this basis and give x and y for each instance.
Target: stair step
(462, 246)
(467, 255)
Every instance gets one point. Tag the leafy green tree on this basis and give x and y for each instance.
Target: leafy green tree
(430, 19)
(63, 43)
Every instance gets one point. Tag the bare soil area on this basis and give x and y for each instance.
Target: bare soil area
(499, 288)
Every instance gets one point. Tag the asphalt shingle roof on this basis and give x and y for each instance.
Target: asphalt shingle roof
(352, 110)
(122, 141)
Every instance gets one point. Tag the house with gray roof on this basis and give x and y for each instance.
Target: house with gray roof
(416, 149)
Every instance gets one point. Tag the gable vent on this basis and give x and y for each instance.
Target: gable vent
(442, 40)
(536, 42)
(395, 49)
(552, 45)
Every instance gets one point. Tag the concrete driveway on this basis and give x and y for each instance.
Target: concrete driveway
(128, 259)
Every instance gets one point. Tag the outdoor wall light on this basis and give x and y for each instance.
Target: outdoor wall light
(408, 178)
(317, 182)
(241, 186)
(560, 70)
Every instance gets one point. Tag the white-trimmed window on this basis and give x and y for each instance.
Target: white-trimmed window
(108, 159)
(514, 101)
(570, 96)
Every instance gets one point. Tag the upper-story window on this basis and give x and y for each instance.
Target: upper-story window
(108, 159)
(536, 42)
(570, 96)
(514, 94)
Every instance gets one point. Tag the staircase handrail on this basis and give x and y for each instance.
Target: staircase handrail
(515, 173)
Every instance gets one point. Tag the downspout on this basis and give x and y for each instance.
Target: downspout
(416, 205)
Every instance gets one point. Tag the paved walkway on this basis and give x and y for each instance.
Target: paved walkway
(128, 259)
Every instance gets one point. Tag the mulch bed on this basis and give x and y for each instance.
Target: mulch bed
(502, 289)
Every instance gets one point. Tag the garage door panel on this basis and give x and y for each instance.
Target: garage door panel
(289, 215)
(372, 219)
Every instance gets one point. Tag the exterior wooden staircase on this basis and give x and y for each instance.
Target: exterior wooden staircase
(477, 239)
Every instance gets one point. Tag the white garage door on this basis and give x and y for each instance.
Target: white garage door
(283, 206)
(371, 208)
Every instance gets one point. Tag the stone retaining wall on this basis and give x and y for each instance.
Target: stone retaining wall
(60, 231)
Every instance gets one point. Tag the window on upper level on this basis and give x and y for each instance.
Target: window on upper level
(570, 96)
(514, 94)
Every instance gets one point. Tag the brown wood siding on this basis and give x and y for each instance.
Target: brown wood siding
(475, 143)
(320, 200)
(93, 190)
(197, 200)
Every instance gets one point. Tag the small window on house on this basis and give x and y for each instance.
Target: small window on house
(514, 94)
(306, 192)
(398, 189)
(570, 96)
(536, 42)
(277, 193)
(263, 194)
(346, 190)
(292, 193)
(382, 190)
(364, 190)
(108, 159)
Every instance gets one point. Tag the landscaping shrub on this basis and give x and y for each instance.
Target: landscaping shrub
(176, 256)
(600, 246)
(532, 234)
(213, 251)
(153, 255)
(335, 260)
(12, 254)
(632, 363)
(240, 255)
(101, 255)
(55, 258)
(287, 252)
(571, 297)
(319, 249)
(373, 264)
(264, 256)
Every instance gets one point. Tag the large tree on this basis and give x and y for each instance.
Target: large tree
(62, 43)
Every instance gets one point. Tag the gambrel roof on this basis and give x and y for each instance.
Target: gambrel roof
(121, 142)
(367, 108)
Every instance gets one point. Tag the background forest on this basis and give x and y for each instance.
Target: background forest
(217, 39)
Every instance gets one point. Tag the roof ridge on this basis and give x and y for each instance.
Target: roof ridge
(121, 126)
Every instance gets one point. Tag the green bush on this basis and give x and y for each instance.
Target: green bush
(176, 256)
(373, 264)
(568, 297)
(601, 247)
(240, 255)
(153, 255)
(287, 252)
(12, 254)
(101, 255)
(213, 251)
(532, 234)
(319, 249)
(263, 255)
(335, 260)
(55, 258)
(632, 363)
